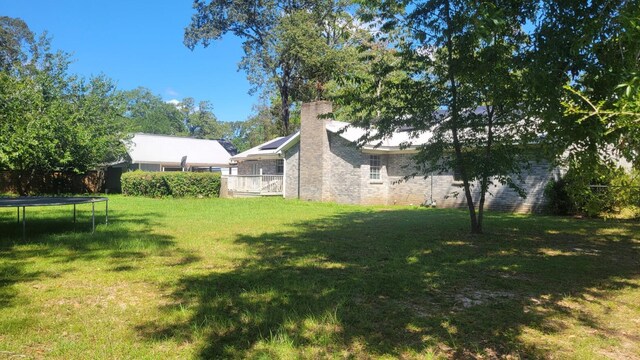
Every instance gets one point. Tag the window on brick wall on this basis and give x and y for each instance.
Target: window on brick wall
(457, 175)
(279, 167)
(255, 169)
(374, 167)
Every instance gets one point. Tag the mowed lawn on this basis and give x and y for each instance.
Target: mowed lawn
(269, 278)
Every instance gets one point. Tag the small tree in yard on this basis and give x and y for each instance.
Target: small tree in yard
(453, 68)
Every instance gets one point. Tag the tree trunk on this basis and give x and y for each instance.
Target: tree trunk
(22, 181)
(15, 175)
(284, 100)
(284, 112)
(476, 228)
(484, 186)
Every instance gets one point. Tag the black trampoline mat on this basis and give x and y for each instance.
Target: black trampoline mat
(26, 201)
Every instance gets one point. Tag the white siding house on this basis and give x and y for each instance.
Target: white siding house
(164, 153)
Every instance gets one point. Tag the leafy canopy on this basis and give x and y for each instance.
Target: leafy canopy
(292, 48)
(53, 121)
(586, 78)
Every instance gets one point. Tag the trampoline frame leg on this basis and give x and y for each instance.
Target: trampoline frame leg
(93, 217)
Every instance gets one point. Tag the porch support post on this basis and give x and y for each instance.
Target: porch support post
(284, 177)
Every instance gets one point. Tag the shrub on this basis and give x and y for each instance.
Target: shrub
(627, 189)
(558, 200)
(178, 184)
(193, 184)
(594, 192)
(141, 183)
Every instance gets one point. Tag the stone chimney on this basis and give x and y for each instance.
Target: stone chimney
(315, 167)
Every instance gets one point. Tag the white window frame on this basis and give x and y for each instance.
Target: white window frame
(279, 166)
(375, 167)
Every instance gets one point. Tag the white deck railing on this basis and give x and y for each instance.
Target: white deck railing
(256, 184)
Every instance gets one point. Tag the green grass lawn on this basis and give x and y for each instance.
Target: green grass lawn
(268, 278)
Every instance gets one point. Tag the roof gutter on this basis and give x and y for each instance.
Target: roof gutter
(388, 150)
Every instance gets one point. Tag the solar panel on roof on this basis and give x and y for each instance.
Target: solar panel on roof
(227, 145)
(275, 143)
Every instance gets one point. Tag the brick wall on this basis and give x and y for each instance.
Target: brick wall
(412, 191)
(291, 172)
(444, 189)
(315, 159)
(333, 169)
(346, 165)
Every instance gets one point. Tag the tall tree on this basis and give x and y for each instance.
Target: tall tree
(258, 128)
(16, 42)
(455, 70)
(148, 113)
(200, 120)
(290, 46)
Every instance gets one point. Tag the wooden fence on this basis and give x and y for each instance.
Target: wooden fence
(55, 182)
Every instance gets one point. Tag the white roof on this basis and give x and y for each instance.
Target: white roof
(169, 150)
(399, 141)
(271, 149)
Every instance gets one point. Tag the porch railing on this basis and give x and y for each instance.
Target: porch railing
(256, 184)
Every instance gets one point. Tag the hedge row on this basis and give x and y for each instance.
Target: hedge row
(177, 184)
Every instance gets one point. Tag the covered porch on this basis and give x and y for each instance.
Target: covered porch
(255, 185)
(261, 170)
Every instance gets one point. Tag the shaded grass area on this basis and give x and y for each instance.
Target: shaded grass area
(267, 278)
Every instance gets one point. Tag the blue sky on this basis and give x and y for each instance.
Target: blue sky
(139, 43)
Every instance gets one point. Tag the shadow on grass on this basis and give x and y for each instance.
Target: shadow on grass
(53, 237)
(400, 282)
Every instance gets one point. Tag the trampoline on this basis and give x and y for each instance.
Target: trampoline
(30, 201)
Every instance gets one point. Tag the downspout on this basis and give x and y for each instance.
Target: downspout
(431, 194)
(284, 172)
(299, 151)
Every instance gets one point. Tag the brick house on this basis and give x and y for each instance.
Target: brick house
(322, 163)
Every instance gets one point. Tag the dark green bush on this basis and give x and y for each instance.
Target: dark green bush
(593, 192)
(141, 183)
(558, 200)
(177, 184)
(193, 184)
